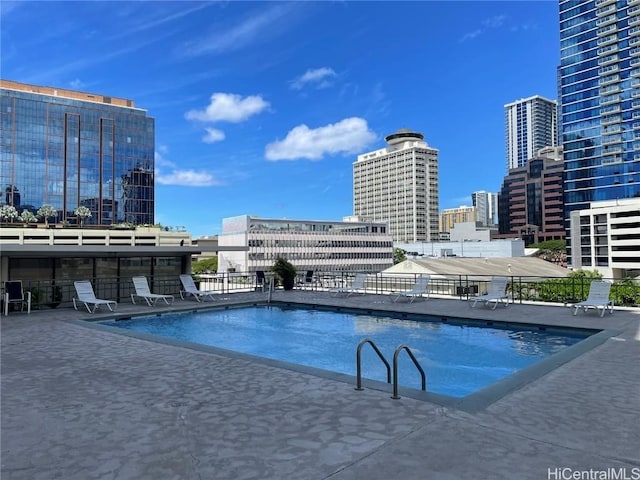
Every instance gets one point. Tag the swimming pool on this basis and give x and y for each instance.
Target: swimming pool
(458, 358)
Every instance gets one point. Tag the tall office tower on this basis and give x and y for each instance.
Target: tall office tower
(399, 185)
(70, 149)
(486, 204)
(531, 124)
(599, 81)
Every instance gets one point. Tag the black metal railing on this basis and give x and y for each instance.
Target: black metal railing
(562, 290)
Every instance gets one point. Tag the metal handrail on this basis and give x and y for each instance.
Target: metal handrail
(395, 370)
(270, 291)
(359, 362)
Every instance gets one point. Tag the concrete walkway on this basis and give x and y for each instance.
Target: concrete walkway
(83, 403)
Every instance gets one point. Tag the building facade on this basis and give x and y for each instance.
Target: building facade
(486, 204)
(450, 216)
(308, 245)
(530, 202)
(531, 124)
(69, 149)
(599, 81)
(606, 238)
(399, 185)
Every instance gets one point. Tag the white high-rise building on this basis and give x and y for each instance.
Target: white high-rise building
(398, 184)
(486, 204)
(531, 124)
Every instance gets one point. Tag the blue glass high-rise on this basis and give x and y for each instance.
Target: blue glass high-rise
(70, 149)
(599, 82)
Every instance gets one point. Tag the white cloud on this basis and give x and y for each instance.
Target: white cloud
(187, 178)
(319, 78)
(176, 176)
(490, 23)
(76, 84)
(229, 107)
(350, 135)
(252, 29)
(213, 135)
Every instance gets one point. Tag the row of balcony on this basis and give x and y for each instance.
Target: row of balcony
(607, 40)
(608, 89)
(609, 49)
(606, 10)
(608, 59)
(608, 80)
(608, 70)
(601, 22)
(608, 30)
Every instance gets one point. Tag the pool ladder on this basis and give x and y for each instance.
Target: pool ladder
(386, 363)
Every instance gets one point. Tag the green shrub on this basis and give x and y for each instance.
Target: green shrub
(205, 265)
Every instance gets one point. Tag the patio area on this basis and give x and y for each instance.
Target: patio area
(81, 403)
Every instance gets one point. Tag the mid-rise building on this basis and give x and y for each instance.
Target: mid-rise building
(309, 245)
(531, 124)
(599, 83)
(398, 185)
(69, 149)
(605, 238)
(450, 216)
(530, 201)
(486, 204)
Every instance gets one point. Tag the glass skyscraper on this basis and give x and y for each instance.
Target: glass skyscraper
(599, 82)
(69, 149)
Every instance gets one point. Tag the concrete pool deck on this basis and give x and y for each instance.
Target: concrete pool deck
(83, 403)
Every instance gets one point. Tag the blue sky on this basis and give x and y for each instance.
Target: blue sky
(261, 108)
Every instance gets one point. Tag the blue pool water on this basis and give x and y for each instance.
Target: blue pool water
(457, 359)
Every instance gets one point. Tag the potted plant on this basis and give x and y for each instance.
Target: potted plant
(285, 273)
(27, 217)
(82, 213)
(8, 213)
(46, 212)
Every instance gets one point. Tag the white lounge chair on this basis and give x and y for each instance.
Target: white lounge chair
(84, 290)
(143, 291)
(14, 293)
(419, 289)
(497, 293)
(598, 298)
(358, 286)
(189, 288)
